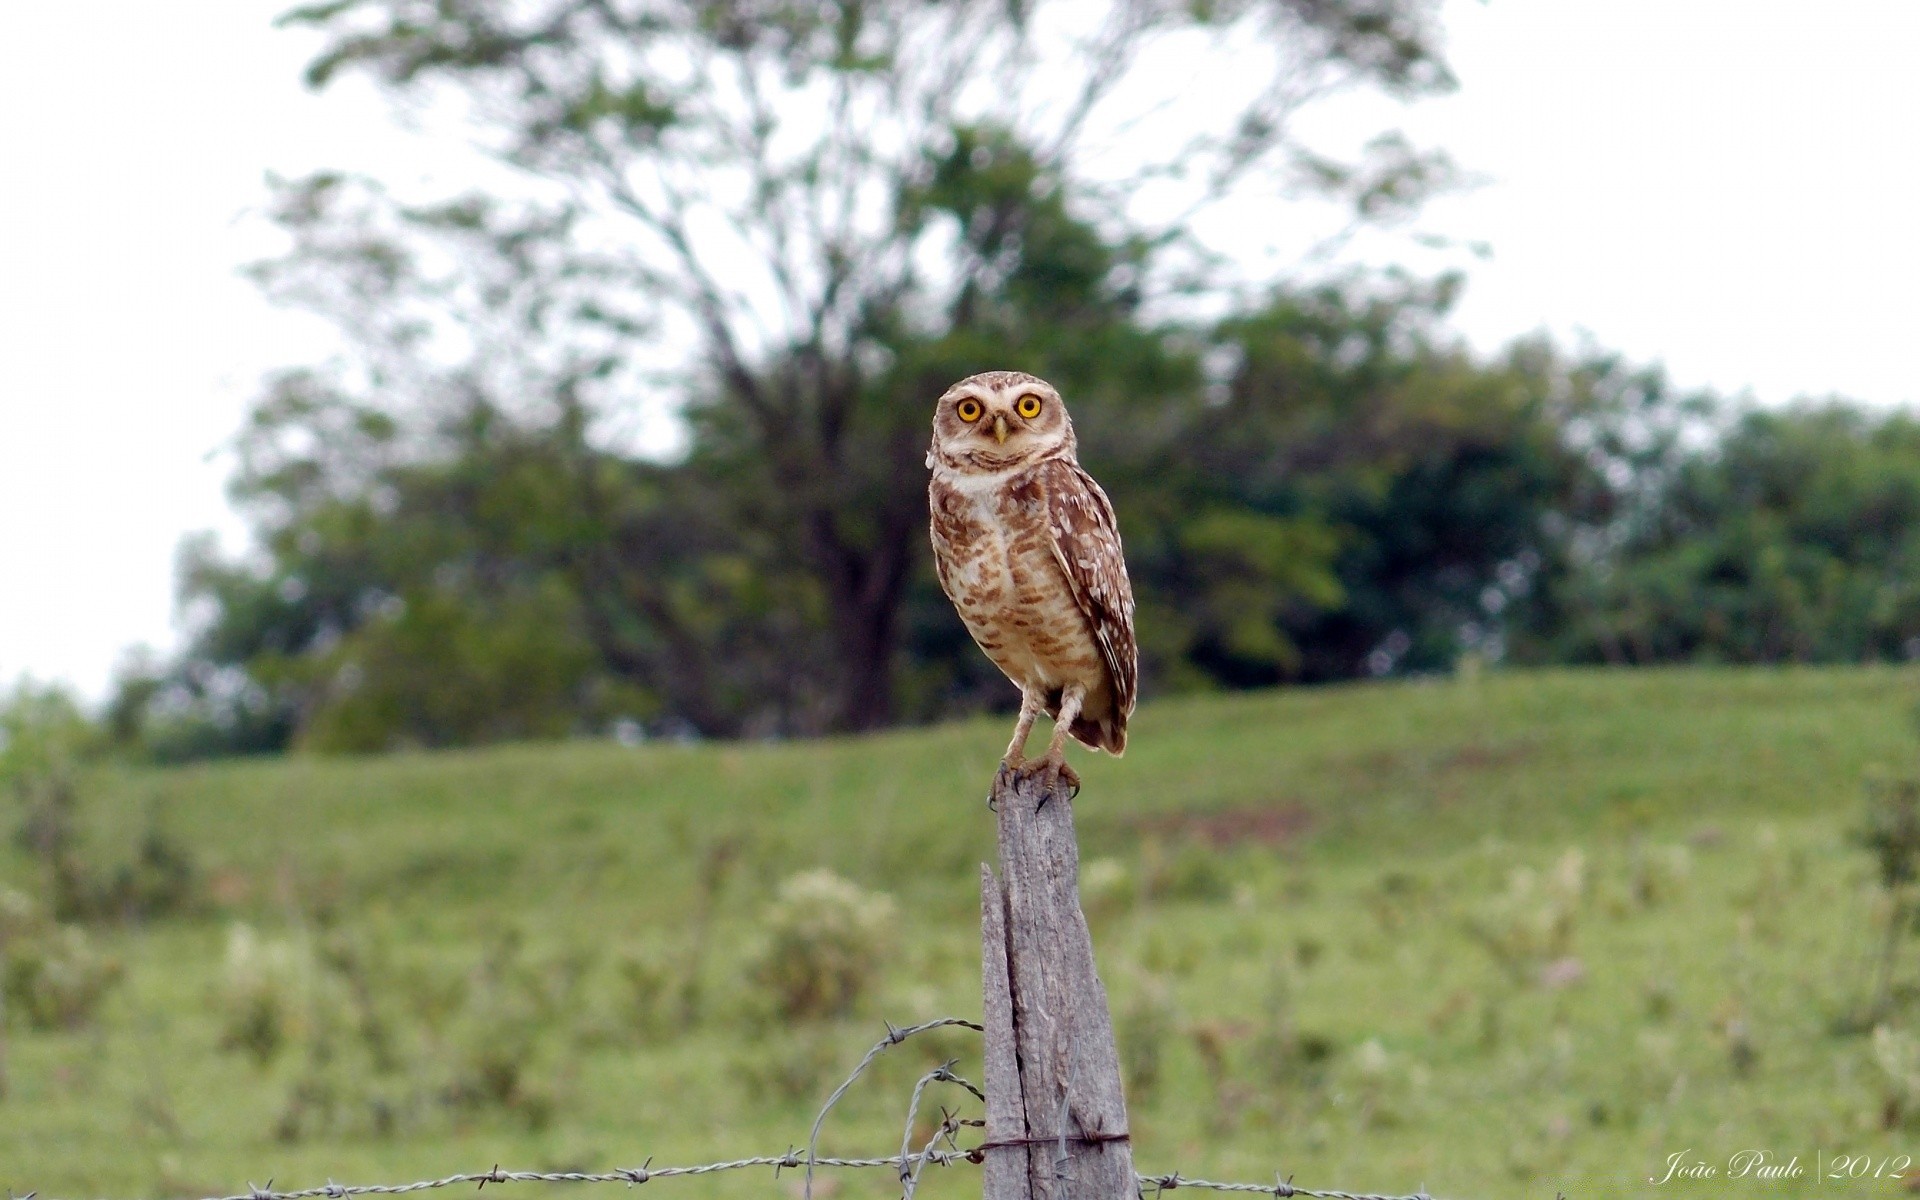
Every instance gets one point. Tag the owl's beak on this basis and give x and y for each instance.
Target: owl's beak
(1000, 429)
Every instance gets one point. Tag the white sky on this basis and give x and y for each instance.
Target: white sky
(1729, 186)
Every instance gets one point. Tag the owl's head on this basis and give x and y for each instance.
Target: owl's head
(999, 420)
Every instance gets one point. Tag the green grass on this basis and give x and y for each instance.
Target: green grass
(1501, 937)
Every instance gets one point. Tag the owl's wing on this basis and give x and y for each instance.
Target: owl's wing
(944, 526)
(1086, 543)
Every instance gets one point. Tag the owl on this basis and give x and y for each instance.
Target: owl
(1027, 549)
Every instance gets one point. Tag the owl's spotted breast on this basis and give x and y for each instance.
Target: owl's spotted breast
(1008, 547)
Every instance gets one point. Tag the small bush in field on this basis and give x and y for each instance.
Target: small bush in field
(1147, 1023)
(794, 1065)
(1534, 920)
(60, 981)
(383, 1046)
(493, 1065)
(824, 943)
(262, 995)
(163, 879)
(1191, 872)
(52, 975)
(1897, 1053)
(651, 993)
(44, 740)
(494, 1053)
(1107, 889)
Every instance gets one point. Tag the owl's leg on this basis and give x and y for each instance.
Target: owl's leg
(1053, 767)
(1031, 702)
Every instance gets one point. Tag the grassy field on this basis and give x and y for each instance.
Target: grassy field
(1500, 937)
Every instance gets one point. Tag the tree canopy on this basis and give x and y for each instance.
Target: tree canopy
(778, 232)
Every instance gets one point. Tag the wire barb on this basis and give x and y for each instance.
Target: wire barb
(894, 1037)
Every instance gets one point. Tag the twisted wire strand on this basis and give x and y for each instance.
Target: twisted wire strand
(1281, 1188)
(791, 1160)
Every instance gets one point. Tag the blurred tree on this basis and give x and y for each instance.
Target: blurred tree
(794, 223)
(1794, 536)
(1363, 497)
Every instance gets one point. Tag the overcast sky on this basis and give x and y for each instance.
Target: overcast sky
(1727, 186)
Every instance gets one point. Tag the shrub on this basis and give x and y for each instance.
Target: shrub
(824, 942)
(385, 1046)
(53, 976)
(1897, 1053)
(1192, 872)
(653, 992)
(1285, 1055)
(1107, 889)
(794, 1065)
(262, 995)
(515, 1000)
(1147, 1023)
(162, 880)
(1534, 920)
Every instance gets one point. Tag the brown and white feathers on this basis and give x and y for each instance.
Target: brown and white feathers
(1027, 548)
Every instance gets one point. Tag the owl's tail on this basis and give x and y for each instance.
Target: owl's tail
(1108, 732)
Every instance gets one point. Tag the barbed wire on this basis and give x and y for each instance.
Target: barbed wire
(909, 1164)
(791, 1160)
(894, 1037)
(1282, 1188)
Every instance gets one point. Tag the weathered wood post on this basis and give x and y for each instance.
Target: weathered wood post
(1056, 1117)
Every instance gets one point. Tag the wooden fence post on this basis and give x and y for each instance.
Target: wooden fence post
(1056, 1116)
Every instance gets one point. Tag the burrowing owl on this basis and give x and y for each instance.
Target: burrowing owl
(1027, 549)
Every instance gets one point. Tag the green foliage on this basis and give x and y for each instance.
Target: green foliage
(1107, 889)
(651, 997)
(1896, 1052)
(52, 976)
(44, 735)
(44, 738)
(1792, 538)
(264, 994)
(376, 1041)
(1532, 922)
(1889, 832)
(1144, 1029)
(1706, 1016)
(1187, 870)
(45, 741)
(1891, 829)
(1367, 500)
(440, 670)
(456, 547)
(824, 943)
(770, 238)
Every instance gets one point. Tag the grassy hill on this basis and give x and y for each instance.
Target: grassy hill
(1497, 936)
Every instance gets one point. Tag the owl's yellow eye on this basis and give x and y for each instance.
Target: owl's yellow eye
(1029, 406)
(968, 410)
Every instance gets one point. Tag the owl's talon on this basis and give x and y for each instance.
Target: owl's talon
(1053, 770)
(1006, 776)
